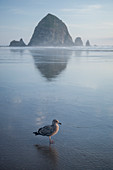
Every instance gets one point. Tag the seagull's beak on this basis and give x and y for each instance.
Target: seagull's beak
(59, 123)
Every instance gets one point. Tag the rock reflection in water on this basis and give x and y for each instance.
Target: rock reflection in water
(78, 53)
(49, 154)
(17, 50)
(51, 62)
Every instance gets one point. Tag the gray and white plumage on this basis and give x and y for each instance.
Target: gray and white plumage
(49, 130)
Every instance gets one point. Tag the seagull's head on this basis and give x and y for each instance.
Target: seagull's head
(55, 122)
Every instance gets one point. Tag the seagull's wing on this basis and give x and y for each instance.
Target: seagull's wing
(46, 130)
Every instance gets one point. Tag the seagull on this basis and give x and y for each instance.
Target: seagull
(49, 130)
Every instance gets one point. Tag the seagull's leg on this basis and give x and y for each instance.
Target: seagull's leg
(51, 141)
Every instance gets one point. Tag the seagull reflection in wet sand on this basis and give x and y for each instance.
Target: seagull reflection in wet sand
(49, 130)
(49, 153)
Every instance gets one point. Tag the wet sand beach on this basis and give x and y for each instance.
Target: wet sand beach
(73, 85)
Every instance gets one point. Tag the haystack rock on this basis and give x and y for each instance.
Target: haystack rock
(78, 41)
(51, 31)
(17, 43)
(88, 43)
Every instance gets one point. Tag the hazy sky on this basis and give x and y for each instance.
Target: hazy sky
(89, 19)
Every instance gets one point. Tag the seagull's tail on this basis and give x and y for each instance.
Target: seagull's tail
(36, 133)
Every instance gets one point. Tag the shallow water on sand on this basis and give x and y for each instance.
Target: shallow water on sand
(72, 85)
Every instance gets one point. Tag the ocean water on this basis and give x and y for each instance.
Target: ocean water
(73, 85)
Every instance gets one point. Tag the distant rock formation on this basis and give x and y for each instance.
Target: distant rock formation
(78, 41)
(51, 31)
(17, 43)
(88, 43)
